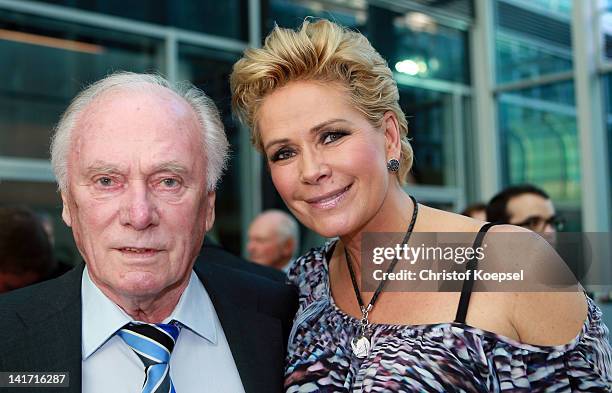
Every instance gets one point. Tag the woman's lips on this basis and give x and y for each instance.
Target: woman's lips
(329, 200)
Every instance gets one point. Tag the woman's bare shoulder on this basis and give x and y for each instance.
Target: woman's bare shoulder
(540, 316)
(550, 307)
(549, 318)
(435, 220)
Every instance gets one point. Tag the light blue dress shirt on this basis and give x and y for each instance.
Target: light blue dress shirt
(201, 360)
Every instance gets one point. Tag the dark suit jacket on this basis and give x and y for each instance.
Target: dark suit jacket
(40, 326)
(212, 252)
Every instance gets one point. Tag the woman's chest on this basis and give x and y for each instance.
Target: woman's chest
(400, 359)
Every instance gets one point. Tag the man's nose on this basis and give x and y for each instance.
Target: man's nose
(139, 210)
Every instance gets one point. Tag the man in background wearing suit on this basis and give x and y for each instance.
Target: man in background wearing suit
(137, 161)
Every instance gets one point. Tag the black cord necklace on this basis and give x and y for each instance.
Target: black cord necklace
(360, 343)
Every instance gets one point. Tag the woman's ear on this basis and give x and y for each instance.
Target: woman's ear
(393, 138)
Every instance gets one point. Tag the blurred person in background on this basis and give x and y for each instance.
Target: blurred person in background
(61, 267)
(477, 211)
(214, 252)
(529, 207)
(273, 239)
(25, 251)
(526, 206)
(324, 111)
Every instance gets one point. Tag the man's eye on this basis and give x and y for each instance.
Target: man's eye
(534, 221)
(282, 154)
(105, 181)
(332, 136)
(170, 182)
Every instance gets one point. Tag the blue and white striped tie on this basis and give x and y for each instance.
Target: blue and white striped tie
(153, 344)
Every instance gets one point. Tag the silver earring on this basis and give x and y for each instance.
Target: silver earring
(393, 165)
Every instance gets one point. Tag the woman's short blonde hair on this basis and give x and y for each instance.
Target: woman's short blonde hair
(319, 51)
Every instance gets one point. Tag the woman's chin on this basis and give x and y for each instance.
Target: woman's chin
(332, 228)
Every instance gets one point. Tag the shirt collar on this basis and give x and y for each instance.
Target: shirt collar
(195, 310)
(101, 317)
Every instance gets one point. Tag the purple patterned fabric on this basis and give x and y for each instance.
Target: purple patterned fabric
(447, 357)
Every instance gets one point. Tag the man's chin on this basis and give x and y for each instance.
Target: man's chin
(140, 285)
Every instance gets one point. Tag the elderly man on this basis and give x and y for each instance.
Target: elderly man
(273, 239)
(137, 161)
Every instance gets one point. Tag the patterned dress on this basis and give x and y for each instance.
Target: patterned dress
(446, 357)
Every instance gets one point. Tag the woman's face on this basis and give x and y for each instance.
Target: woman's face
(327, 161)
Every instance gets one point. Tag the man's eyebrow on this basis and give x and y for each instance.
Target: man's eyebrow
(313, 130)
(101, 167)
(171, 166)
(104, 167)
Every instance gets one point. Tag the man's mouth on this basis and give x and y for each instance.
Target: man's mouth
(138, 251)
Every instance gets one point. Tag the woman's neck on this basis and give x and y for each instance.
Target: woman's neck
(394, 215)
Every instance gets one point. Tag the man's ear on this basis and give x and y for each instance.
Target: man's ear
(393, 138)
(288, 247)
(66, 214)
(210, 210)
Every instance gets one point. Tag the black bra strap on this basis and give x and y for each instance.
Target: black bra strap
(468, 284)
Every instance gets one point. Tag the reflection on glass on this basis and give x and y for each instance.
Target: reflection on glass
(48, 63)
(607, 81)
(605, 24)
(413, 43)
(429, 50)
(532, 39)
(291, 13)
(210, 70)
(430, 129)
(540, 142)
(560, 7)
(228, 18)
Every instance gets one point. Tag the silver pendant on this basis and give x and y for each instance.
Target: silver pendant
(361, 346)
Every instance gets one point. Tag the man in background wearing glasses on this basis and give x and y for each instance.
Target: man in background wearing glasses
(526, 206)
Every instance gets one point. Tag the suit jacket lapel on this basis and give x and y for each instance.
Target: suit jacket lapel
(255, 339)
(54, 329)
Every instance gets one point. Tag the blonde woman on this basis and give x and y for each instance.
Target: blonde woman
(323, 109)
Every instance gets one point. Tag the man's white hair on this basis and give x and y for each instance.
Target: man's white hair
(287, 229)
(214, 141)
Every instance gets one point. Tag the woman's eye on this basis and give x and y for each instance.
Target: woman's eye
(282, 154)
(332, 136)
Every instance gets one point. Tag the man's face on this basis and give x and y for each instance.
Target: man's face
(265, 245)
(137, 200)
(532, 212)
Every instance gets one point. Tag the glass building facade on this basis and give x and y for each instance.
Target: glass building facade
(539, 113)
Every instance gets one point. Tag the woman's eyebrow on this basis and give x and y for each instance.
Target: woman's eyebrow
(315, 129)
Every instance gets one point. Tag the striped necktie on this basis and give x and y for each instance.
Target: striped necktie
(153, 344)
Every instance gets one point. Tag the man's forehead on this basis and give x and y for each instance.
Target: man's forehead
(100, 165)
(137, 102)
(152, 126)
(529, 204)
(123, 108)
(267, 224)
